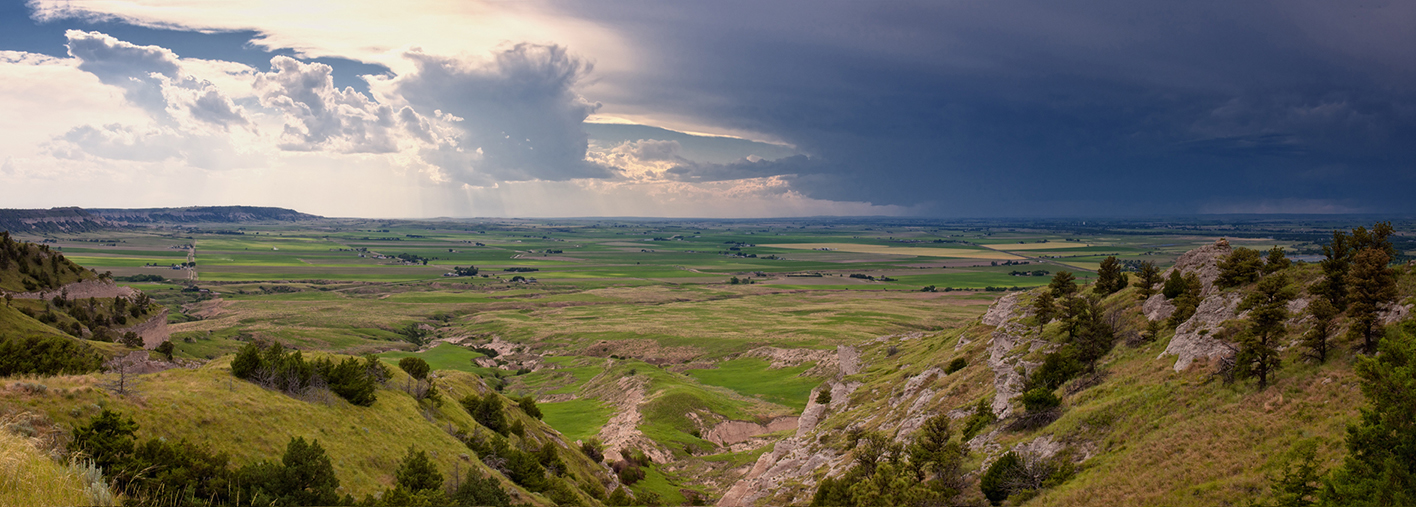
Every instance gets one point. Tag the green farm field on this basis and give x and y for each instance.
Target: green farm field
(604, 252)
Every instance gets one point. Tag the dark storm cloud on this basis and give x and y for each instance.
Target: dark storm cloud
(1046, 108)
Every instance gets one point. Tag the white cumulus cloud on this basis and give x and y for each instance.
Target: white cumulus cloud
(518, 116)
(322, 117)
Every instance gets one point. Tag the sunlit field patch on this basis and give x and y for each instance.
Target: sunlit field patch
(576, 419)
(753, 377)
(957, 253)
(1051, 245)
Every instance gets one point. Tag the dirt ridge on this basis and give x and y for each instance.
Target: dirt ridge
(96, 288)
(727, 433)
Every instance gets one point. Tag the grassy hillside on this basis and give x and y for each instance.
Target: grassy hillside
(1139, 432)
(1181, 439)
(15, 323)
(1165, 438)
(251, 423)
(26, 267)
(28, 346)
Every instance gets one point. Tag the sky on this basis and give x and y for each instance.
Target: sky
(734, 109)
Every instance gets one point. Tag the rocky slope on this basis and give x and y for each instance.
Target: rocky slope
(1151, 427)
(795, 458)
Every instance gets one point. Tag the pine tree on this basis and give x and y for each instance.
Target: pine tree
(416, 367)
(1370, 285)
(1074, 315)
(1276, 261)
(1268, 309)
(528, 405)
(5, 247)
(933, 451)
(1380, 468)
(1109, 278)
(1299, 483)
(549, 457)
(1316, 339)
(308, 477)
(994, 481)
(483, 490)
(1153, 328)
(1377, 238)
(417, 473)
(108, 438)
(166, 348)
(1174, 284)
(1063, 284)
(1188, 301)
(1338, 258)
(247, 362)
(487, 411)
(1043, 309)
(1056, 369)
(1240, 267)
(1093, 336)
(1149, 276)
(350, 379)
(274, 356)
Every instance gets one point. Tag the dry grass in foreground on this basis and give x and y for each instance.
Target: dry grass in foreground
(29, 477)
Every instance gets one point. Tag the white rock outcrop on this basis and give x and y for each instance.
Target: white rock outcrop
(1195, 338)
(1001, 310)
(1203, 262)
(1392, 314)
(1005, 351)
(849, 359)
(1157, 308)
